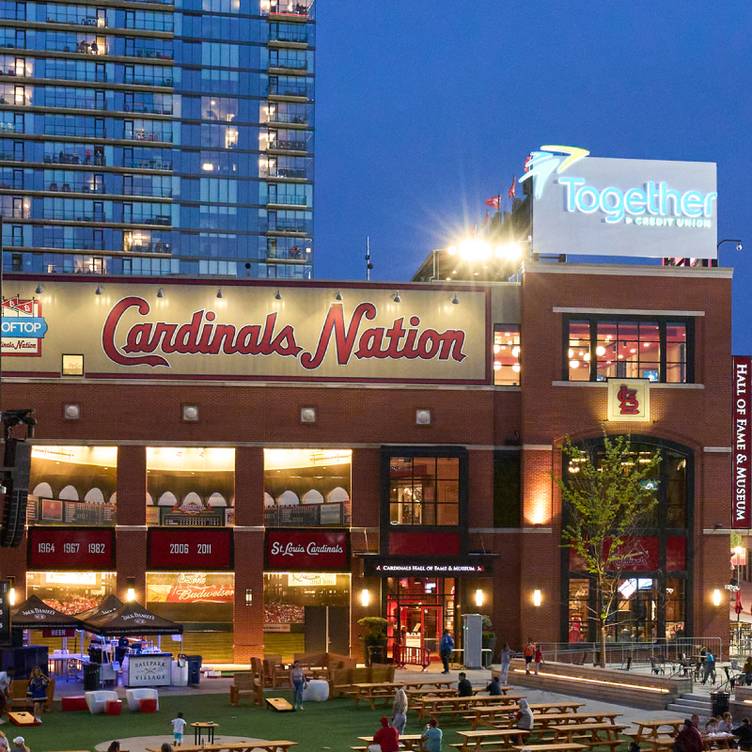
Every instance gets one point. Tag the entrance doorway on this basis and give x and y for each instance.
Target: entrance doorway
(418, 611)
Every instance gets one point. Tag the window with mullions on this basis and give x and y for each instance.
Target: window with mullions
(600, 348)
(506, 355)
(424, 491)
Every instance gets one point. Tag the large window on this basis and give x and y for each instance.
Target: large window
(652, 600)
(506, 355)
(599, 348)
(307, 487)
(424, 490)
(71, 592)
(72, 485)
(190, 486)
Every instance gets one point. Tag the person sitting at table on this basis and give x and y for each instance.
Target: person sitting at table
(726, 724)
(494, 688)
(399, 710)
(387, 737)
(432, 736)
(744, 734)
(689, 738)
(524, 716)
(712, 725)
(464, 688)
(114, 746)
(19, 745)
(37, 691)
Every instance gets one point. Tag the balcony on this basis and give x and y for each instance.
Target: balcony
(77, 19)
(62, 157)
(154, 109)
(297, 11)
(286, 144)
(148, 164)
(149, 80)
(155, 219)
(143, 135)
(158, 246)
(150, 54)
(78, 186)
(289, 89)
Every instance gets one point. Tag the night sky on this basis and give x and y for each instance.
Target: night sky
(426, 108)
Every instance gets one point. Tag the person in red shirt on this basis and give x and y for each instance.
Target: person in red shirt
(689, 738)
(387, 737)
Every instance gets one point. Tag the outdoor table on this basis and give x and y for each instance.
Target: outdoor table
(473, 740)
(650, 732)
(718, 740)
(500, 716)
(551, 747)
(555, 707)
(198, 729)
(433, 705)
(422, 683)
(372, 691)
(269, 745)
(408, 741)
(590, 734)
(432, 691)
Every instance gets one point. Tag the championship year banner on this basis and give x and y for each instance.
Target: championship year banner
(247, 331)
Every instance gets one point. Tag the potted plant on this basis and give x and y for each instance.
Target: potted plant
(374, 638)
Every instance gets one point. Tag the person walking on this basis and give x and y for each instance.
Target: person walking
(538, 658)
(446, 646)
(506, 659)
(387, 737)
(399, 710)
(178, 727)
(709, 668)
(432, 736)
(297, 682)
(529, 653)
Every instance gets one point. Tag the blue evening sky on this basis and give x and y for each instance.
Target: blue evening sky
(425, 108)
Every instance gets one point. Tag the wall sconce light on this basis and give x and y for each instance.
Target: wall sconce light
(308, 415)
(423, 417)
(11, 591)
(537, 598)
(71, 411)
(365, 598)
(479, 598)
(190, 413)
(130, 593)
(716, 597)
(249, 596)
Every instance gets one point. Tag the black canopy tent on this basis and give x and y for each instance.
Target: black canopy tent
(34, 613)
(130, 619)
(107, 606)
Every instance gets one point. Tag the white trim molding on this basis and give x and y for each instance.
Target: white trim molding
(604, 384)
(630, 270)
(627, 311)
(538, 447)
(718, 450)
(131, 528)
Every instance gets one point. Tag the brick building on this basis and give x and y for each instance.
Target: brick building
(340, 450)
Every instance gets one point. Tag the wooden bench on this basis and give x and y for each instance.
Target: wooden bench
(590, 734)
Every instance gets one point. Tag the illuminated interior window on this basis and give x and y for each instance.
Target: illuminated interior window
(73, 365)
(506, 355)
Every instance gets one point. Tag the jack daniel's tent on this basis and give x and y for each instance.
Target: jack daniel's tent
(107, 606)
(131, 619)
(34, 613)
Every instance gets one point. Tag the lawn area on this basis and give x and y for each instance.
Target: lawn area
(332, 725)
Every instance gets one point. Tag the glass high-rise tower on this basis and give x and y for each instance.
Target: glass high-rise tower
(162, 137)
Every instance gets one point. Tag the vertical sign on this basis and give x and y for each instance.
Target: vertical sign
(741, 515)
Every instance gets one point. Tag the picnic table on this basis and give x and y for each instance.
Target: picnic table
(372, 691)
(555, 707)
(590, 734)
(658, 733)
(434, 705)
(501, 715)
(408, 741)
(268, 745)
(476, 740)
(718, 740)
(423, 683)
(198, 729)
(551, 747)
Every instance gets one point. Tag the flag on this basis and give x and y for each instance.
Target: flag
(494, 202)
(512, 192)
(738, 607)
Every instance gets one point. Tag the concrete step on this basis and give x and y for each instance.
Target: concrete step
(687, 710)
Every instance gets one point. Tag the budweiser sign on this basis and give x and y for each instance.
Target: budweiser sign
(306, 332)
(308, 550)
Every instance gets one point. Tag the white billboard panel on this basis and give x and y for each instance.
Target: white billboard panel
(623, 207)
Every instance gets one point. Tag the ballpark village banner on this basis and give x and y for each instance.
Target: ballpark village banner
(742, 513)
(304, 332)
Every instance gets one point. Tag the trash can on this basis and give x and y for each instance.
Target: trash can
(194, 669)
(486, 657)
(91, 676)
(720, 703)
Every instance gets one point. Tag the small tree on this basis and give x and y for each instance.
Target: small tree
(606, 501)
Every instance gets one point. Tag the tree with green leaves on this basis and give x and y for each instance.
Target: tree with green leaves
(607, 498)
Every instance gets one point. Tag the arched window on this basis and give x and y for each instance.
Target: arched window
(654, 602)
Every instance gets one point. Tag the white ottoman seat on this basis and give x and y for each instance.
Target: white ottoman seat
(134, 696)
(317, 690)
(97, 700)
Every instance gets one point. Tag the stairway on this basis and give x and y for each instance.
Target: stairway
(689, 703)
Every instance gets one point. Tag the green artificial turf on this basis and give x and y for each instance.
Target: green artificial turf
(332, 725)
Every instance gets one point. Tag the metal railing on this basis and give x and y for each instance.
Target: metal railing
(632, 654)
